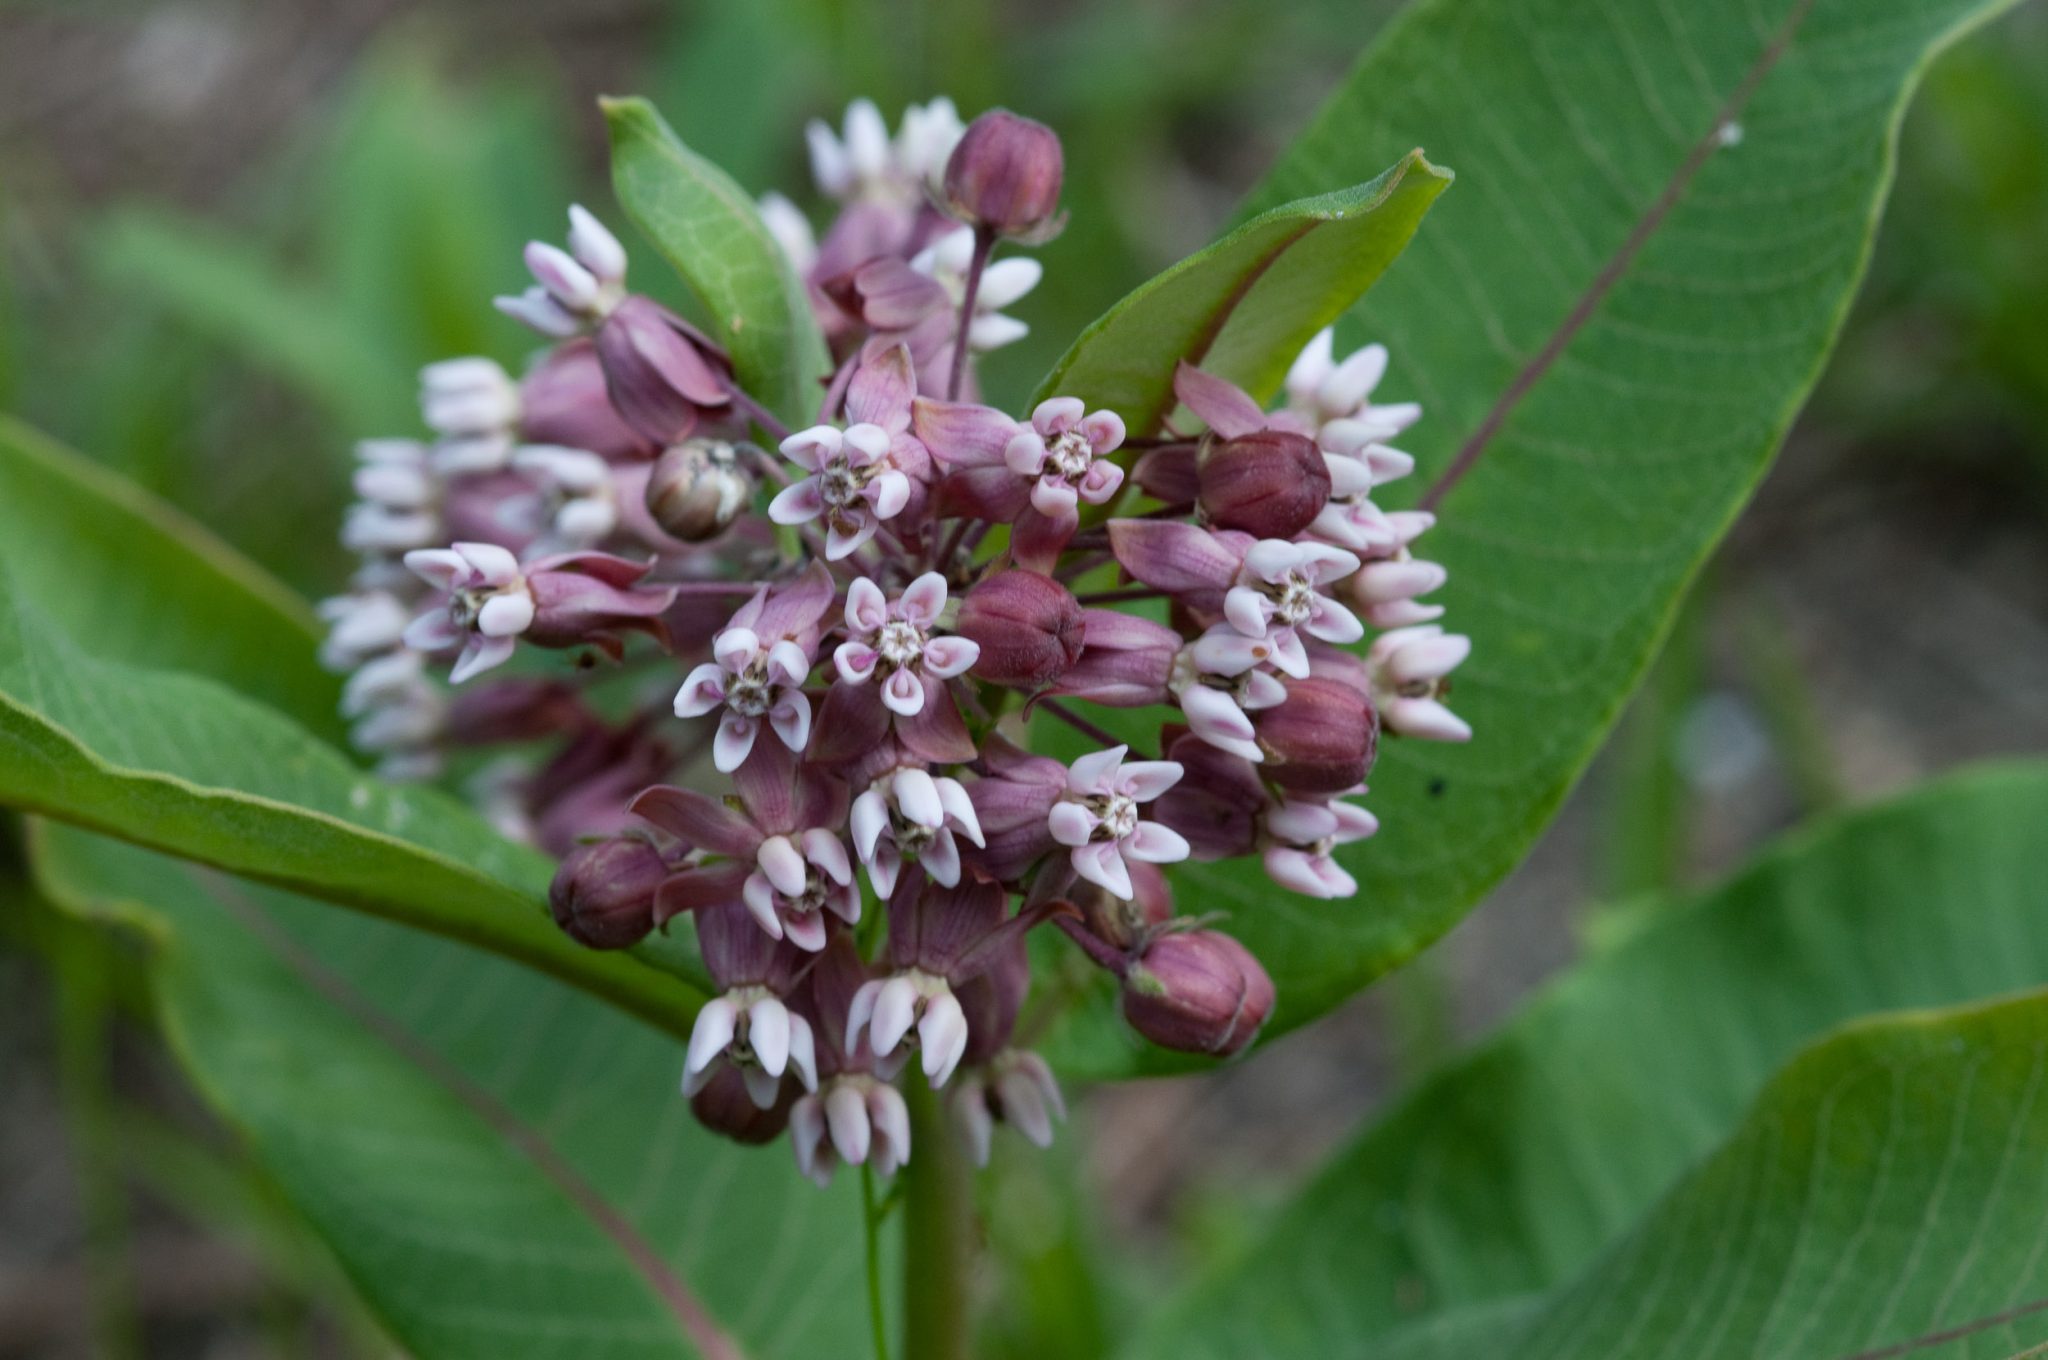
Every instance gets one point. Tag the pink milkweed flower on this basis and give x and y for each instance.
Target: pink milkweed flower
(865, 474)
(751, 680)
(852, 1117)
(1034, 474)
(1410, 670)
(1218, 683)
(782, 856)
(748, 1026)
(894, 642)
(760, 662)
(573, 287)
(1017, 1087)
(1278, 596)
(489, 605)
(939, 939)
(1297, 837)
(1330, 398)
(1097, 818)
(909, 813)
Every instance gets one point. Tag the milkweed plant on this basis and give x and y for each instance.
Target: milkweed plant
(820, 648)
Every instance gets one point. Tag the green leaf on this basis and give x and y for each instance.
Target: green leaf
(501, 1165)
(233, 293)
(1509, 1170)
(1881, 1198)
(1244, 306)
(1663, 212)
(706, 226)
(122, 628)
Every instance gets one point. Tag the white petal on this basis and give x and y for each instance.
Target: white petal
(846, 1115)
(768, 1034)
(711, 1035)
(895, 1012)
(917, 796)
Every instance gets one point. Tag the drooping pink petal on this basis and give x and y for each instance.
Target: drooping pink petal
(1145, 780)
(734, 740)
(1222, 406)
(699, 819)
(946, 657)
(1173, 557)
(480, 654)
(1102, 864)
(962, 435)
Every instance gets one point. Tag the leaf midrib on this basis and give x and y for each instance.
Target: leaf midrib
(1617, 266)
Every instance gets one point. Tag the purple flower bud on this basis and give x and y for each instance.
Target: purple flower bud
(1029, 627)
(603, 895)
(1320, 739)
(563, 402)
(1004, 177)
(1270, 483)
(518, 709)
(697, 489)
(661, 372)
(723, 1105)
(1125, 661)
(1197, 991)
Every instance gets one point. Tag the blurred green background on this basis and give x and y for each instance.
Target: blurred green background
(233, 230)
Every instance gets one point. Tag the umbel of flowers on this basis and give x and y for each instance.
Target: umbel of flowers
(812, 758)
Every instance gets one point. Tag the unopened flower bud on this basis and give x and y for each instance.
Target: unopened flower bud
(1271, 483)
(1197, 991)
(603, 895)
(723, 1106)
(1029, 627)
(1004, 176)
(1320, 739)
(697, 489)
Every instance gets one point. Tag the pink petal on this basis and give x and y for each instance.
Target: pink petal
(1145, 780)
(903, 694)
(791, 719)
(855, 661)
(1171, 556)
(1093, 773)
(799, 503)
(1222, 406)
(1057, 415)
(946, 657)
(867, 609)
(1155, 843)
(480, 654)
(1025, 454)
(699, 819)
(1104, 431)
(961, 435)
(1071, 824)
(923, 599)
(734, 740)
(882, 386)
(1103, 865)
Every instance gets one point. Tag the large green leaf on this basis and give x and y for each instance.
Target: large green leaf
(1662, 213)
(1246, 305)
(1882, 1198)
(503, 1166)
(1510, 1169)
(708, 229)
(122, 628)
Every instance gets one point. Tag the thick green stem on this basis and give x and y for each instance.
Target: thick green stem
(938, 1232)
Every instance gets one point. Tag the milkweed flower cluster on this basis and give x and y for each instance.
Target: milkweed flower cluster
(796, 722)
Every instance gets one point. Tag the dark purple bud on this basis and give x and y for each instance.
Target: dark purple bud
(514, 709)
(1029, 627)
(723, 1106)
(603, 895)
(563, 401)
(586, 598)
(1125, 661)
(1320, 739)
(1216, 804)
(1004, 177)
(662, 373)
(697, 489)
(1269, 483)
(1197, 991)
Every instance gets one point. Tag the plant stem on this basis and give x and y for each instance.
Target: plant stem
(984, 242)
(872, 1216)
(937, 1233)
(1079, 723)
(757, 413)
